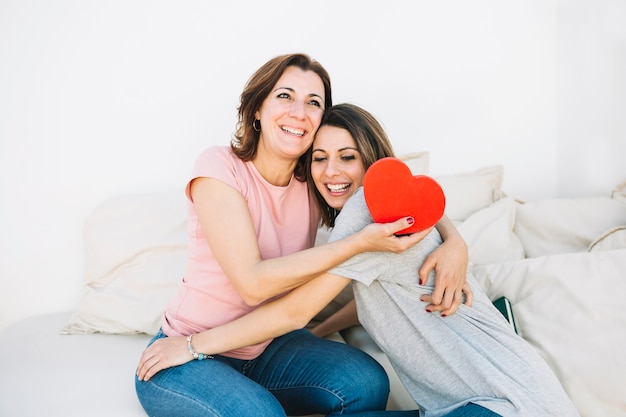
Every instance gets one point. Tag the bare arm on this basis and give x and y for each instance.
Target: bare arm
(293, 311)
(450, 263)
(343, 318)
(234, 244)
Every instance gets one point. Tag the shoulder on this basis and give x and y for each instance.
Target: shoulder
(355, 211)
(353, 217)
(217, 154)
(218, 162)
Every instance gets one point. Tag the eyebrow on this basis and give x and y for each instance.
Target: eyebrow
(347, 148)
(292, 90)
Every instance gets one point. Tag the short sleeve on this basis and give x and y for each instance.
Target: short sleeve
(364, 267)
(216, 162)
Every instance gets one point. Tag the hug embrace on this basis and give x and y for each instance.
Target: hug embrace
(232, 340)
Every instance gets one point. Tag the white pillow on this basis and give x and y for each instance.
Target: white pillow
(467, 193)
(418, 162)
(489, 233)
(619, 192)
(613, 239)
(562, 225)
(135, 254)
(570, 307)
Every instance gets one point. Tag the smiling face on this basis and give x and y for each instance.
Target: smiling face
(337, 168)
(291, 113)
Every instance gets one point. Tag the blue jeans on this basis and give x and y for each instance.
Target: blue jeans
(472, 410)
(297, 374)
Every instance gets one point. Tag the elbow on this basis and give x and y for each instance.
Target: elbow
(252, 299)
(254, 295)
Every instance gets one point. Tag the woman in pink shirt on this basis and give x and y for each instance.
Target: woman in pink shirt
(252, 225)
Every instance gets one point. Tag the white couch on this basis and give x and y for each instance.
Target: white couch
(561, 262)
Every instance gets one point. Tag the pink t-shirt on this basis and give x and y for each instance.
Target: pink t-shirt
(285, 220)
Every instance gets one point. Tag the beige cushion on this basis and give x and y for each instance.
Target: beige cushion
(612, 239)
(563, 225)
(135, 254)
(418, 162)
(619, 192)
(469, 192)
(489, 233)
(570, 307)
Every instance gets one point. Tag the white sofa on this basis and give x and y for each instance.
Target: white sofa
(561, 262)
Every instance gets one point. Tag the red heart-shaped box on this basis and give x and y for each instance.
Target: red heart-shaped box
(392, 192)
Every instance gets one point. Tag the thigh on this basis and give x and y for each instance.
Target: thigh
(208, 388)
(312, 375)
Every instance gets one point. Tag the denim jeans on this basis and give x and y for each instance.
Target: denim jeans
(297, 374)
(472, 410)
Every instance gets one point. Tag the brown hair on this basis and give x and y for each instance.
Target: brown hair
(258, 87)
(369, 136)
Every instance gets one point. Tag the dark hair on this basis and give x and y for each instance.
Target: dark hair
(369, 136)
(246, 139)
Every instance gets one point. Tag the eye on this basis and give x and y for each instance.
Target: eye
(317, 103)
(318, 158)
(348, 157)
(284, 95)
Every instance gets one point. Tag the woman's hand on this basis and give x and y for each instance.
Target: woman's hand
(380, 237)
(450, 262)
(163, 353)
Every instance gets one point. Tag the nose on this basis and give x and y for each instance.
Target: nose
(297, 110)
(332, 168)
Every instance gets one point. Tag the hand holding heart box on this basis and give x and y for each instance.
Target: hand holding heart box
(392, 192)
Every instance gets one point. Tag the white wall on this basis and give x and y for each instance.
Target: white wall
(591, 91)
(99, 98)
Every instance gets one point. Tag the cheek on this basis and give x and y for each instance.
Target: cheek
(316, 172)
(357, 177)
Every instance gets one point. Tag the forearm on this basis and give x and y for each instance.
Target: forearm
(448, 231)
(276, 276)
(343, 318)
(290, 312)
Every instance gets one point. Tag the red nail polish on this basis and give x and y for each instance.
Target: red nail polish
(410, 220)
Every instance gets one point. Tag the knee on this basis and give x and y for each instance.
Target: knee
(369, 386)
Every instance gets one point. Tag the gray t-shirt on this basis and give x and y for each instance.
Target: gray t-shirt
(444, 362)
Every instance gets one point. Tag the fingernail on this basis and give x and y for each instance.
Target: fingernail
(443, 315)
(421, 282)
(428, 310)
(410, 220)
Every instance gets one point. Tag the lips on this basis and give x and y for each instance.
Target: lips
(293, 131)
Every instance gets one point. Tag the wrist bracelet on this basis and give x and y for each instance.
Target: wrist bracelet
(196, 355)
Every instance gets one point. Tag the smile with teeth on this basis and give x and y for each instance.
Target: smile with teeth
(298, 132)
(337, 188)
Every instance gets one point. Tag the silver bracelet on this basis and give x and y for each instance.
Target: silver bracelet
(196, 355)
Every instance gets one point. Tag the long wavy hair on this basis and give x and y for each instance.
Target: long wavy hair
(246, 140)
(371, 141)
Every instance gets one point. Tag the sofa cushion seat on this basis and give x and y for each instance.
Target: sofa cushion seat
(45, 373)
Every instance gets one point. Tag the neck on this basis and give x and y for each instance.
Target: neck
(276, 171)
